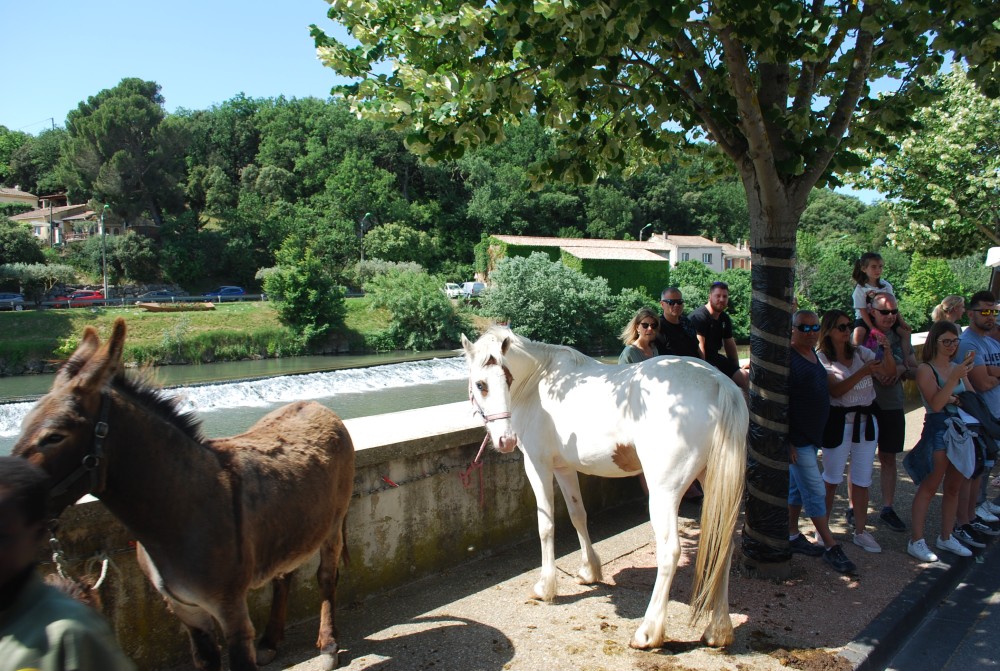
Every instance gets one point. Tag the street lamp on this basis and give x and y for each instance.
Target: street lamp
(363, 220)
(104, 253)
(643, 229)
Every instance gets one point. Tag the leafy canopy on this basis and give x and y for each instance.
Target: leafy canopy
(624, 81)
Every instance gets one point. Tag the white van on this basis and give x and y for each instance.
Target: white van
(471, 289)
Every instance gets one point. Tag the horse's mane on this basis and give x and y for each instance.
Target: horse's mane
(543, 352)
(141, 389)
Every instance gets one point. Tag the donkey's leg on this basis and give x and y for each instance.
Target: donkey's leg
(274, 634)
(238, 629)
(327, 575)
(569, 483)
(201, 631)
(663, 519)
(540, 478)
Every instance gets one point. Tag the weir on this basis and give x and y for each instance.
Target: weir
(420, 506)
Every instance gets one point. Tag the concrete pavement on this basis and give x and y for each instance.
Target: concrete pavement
(479, 617)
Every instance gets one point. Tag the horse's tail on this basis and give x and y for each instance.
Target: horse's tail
(720, 506)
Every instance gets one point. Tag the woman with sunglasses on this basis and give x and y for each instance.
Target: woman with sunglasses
(851, 430)
(639, 336)
(940, 380)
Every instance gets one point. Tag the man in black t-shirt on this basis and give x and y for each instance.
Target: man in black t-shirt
(676, 335)
(714, 330)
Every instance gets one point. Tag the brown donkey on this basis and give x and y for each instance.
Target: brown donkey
(213, 518)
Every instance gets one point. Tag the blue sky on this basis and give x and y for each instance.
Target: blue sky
(200, 52)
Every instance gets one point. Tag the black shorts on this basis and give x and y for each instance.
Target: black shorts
(724, 364)
(891, 430)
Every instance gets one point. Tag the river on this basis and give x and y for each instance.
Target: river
(229, 397)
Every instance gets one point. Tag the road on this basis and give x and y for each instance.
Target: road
(963, 632)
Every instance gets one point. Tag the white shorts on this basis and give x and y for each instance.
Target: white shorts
(862, 455)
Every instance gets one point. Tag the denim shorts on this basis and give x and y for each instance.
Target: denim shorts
(805, 486)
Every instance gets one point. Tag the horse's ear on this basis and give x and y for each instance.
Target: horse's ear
(505, 345)
(106, 363)
(85, 350)
(467, 346)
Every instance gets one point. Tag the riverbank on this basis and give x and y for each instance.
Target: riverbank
(36, 341)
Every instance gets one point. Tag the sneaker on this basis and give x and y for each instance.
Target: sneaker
(836, 558)
(953, 546)
(986, 514)
(850, 518)
(920, 551)
(801, 545)
(969, 536)
(866, 542)
(990, 507)
(980, 525)
(889, 518)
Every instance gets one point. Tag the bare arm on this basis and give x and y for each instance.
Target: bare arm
(731, 352)
(936, 396)
(701, 347)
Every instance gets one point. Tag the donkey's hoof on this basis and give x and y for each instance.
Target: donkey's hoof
(265, 656)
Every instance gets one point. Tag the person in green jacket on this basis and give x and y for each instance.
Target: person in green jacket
(41, 628)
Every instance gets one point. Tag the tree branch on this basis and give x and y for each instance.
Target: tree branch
(846, 104)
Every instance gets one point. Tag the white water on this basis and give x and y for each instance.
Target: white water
(361, 389)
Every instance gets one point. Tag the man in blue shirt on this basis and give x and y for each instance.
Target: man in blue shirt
(985, 379)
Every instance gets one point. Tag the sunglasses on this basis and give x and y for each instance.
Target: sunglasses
(887, 312)
(647, 325)
(808, 328)
(988, 313)
(843, 327)
(673, 301)
(948, 342)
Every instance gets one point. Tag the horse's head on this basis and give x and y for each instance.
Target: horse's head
(489, 387)
(64, 433)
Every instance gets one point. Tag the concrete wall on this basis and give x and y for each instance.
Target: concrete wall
(417, 509)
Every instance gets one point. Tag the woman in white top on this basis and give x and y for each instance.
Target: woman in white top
(852, 431)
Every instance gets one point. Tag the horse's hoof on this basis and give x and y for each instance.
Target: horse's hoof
(587, 576)
(723, 640)
(265, 656)
(540, 593)
(642, 641)
(329, 657)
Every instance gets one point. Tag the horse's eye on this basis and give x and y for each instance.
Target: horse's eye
(483, 387)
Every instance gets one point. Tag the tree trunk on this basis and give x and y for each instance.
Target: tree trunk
(773, 221)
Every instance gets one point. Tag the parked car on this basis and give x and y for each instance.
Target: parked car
(472, 289)
(452, 290)
(158, 295)
(11, 301)
(225, 293)
(79, 299)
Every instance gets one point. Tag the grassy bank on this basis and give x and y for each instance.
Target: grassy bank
(233, 331)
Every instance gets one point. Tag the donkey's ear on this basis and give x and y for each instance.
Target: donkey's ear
(106, 363)
(85, 350)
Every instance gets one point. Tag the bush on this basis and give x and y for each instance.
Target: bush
(422, 316)
(307, 299)
(544, 300)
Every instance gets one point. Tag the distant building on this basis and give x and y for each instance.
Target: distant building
(605, 257)
(736, 256)
(15, 195)
(56, 225)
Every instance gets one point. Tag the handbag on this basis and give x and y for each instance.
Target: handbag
(960, 447)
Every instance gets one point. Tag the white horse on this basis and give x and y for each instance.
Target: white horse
(673, 418)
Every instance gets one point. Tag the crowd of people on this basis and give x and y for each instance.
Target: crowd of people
(846, 409)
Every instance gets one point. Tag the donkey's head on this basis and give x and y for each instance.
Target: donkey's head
(64, 432)
(489, 386)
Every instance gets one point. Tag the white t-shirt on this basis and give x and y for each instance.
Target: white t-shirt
(862, 294)
(863, 393)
